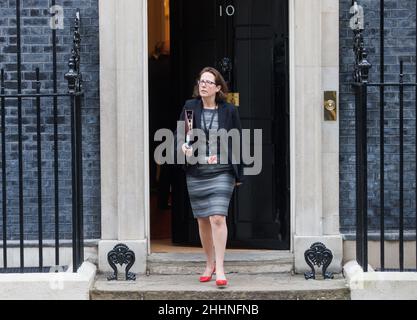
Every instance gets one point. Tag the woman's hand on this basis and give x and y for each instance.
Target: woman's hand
(188, 151)
(212, 159)
(237, 184)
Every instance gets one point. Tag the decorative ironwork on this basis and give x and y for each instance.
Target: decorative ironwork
(362, 65)
(318, 255)
(6, 102)
(364, 144)
(121, 254)
(226, 67)
(74, 76)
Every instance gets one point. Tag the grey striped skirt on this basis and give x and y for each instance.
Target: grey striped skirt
(210, 193)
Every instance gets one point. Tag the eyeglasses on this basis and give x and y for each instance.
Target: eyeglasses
(206, 82)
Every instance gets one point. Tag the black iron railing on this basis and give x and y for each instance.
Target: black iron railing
(8, 99)
(362, 86)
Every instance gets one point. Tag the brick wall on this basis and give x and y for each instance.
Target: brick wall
(399, 44)
(36, 39)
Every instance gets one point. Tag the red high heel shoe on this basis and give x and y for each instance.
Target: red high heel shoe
(221, 283)
(208, 278)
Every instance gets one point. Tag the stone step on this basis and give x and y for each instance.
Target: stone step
(250, 262)
(277, 286)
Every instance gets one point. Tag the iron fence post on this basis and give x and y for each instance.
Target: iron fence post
(74, 79)
(360, 76)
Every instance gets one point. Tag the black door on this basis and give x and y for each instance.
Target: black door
(253, 35)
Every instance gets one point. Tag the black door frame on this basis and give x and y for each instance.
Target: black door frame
(288, 226)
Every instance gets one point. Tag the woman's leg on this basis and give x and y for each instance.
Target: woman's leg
(204, 229)
(219, 231)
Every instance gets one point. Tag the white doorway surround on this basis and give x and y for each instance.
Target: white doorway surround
(314, 37)
(124, 129)
(314, 58)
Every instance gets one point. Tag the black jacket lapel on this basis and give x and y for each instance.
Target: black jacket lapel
(197, 113)
(222, 115)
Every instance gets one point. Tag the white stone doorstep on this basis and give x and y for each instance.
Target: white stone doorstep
(49, 286)
(374, 285)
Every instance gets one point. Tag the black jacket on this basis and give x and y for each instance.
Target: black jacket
(228, 118)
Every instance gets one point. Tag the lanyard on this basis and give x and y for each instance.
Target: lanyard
(211, 122)
(207, 130)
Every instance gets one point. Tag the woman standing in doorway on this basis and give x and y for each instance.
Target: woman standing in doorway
(210, 185)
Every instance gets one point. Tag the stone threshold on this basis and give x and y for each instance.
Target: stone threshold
(241, 286)
(250, 262)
